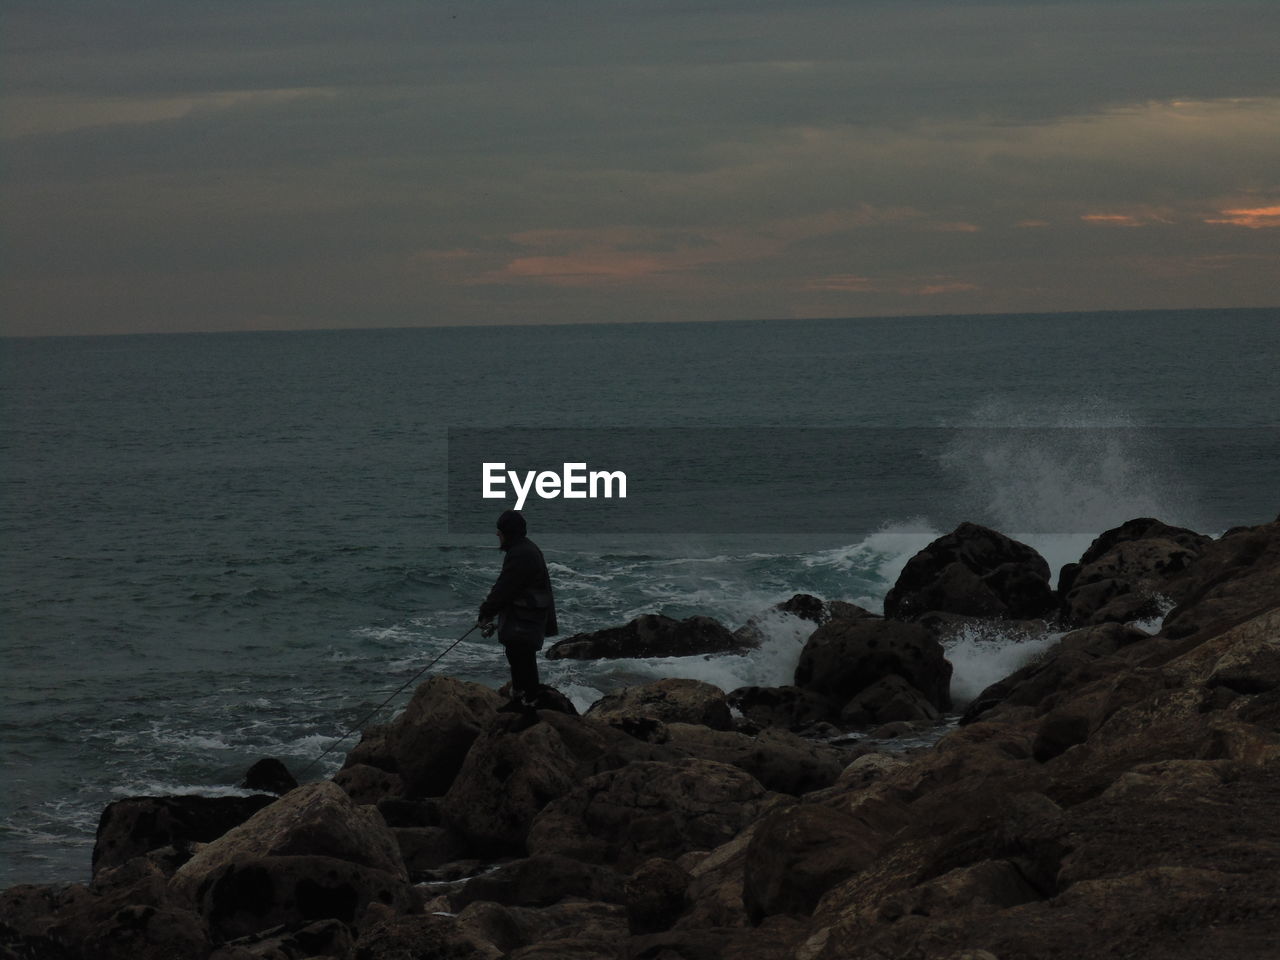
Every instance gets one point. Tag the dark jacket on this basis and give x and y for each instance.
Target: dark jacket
(522, 593)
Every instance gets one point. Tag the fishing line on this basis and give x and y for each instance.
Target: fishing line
(374, 713)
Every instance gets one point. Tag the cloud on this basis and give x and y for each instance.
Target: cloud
(1255, 218)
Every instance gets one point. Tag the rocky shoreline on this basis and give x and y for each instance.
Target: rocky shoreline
(1118, 796)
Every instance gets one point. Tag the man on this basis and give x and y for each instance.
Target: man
(522, 601)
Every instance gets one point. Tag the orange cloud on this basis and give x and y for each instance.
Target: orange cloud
(1255, 218)
(1112, 219)
(1032, 224)
(956, 227)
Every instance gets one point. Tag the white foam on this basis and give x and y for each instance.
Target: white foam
(982, 654)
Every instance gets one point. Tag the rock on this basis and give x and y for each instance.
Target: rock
(845, 657)
(1235, 578)
(781, 761)
(797, 854)
(655, 895)
(572, 926)
(515, 769)
(647, 636)
(801, 606)
(131, 827)
(649, 809)
(974, 571)
(669, 701)
(373, 750)
(430, 739)
(328, 938)
(541, 881)
(889, 698)
(418, 937)
(148, 933)
(1078, 658)
(424, 849)
(269, 775)
(250, 894)
(1126, 580)
(791, 707)
(314, 821)
(366, 784)
(398, 812)
(549, 698)
(776, 939)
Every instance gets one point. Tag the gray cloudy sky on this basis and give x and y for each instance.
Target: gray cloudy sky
(178, 165)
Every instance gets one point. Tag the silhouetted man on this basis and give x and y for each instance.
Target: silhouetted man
(522, 601)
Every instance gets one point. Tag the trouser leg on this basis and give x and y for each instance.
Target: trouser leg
(524, 670)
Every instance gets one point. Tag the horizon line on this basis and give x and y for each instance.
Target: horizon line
(1026, 314)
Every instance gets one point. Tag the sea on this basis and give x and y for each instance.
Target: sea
(220, 547)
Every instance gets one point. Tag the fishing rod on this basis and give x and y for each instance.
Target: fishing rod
(379, 707)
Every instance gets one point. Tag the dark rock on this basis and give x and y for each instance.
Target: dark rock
(648, 809)
(139, 932)
(131, 827)
(655, 895)
(780, 760)
(430, 739)
(270, 776)
(515, 769)
(650, 635)
(540, 881)
(317, 820)
(1078, 658)
(974, 571)
(398, 812)
(424, 849)
(802, 606)
(1058, 732)
(416, 938)
(791, 707)
(248, 895)
(888, 699)
(365, 784)
(1234, 578)
(324, 938)
(373, 750)
(800, 852)
(668, 701)
(1127, 581)
(845, 657)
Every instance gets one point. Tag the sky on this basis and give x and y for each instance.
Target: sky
(181, 166)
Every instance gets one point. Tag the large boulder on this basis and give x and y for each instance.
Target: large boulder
(844, 657)
(134, 826)
(670, 701)
(250, 894)
(430, 739)
(780, 760)
(314, 821)
(798, 853)
(651, 635)
(1236, 577)
(890, 699)
(649, 809)
(515, 768)
(1129, 579)
(974, 571)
